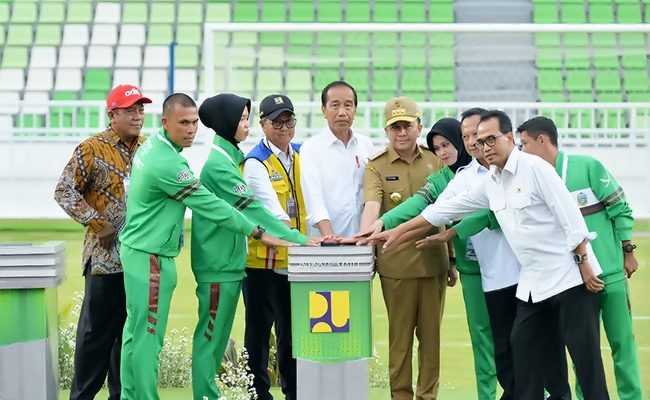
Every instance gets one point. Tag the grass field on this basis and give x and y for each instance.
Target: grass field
(457, 378)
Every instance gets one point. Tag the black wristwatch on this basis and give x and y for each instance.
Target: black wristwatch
(452, 259)
(579, 258)
(257, 235)
(629, 247)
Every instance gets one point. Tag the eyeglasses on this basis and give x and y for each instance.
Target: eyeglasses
(290, 123)
(490, 141)
(131, 112)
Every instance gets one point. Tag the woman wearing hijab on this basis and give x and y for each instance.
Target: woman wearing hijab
(218, 255)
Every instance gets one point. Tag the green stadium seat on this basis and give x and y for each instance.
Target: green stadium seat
(442, 57)
(610, 97)
(550, 80)
(412, 57)
(20, 34)
(217, 12)
(443, 96)
(160, 34)
(548, 57)
(2, 37)
(134, 13)
(357, 39)
(330, 12)
(607, 80)
(414, 80)
(578, 80)
(547, 39)
(576, 57)
(545, 13)
(631, 39)
(629, 13)
(274, 11)
(573, 13)
(65, 96)
(299, 57)
(601, 13)
(551, 97)
(24, 12)
(163, 13)
(441, 13)
(52, 12)
(301, 12)
(271, 56)
(273, 38)
(187, 56)
(413, 11)
(269, 81)
(385, 11)
(577, 39)
(603, 39)
(190, 13)
(442, 80)
(605, 57)
(244, 38)
(380, 59)
(48, 34)
(242, 81)
(638, 97)
(189, 34)
(246, 11)
(97, 80)
(241, 56)
(15, 57)
(328, 56)
(357, 11)
(419, 40)
(324, 76)
(151, 121)
(4, 13)
(31, 121)
(559, 118)
(358, 77)
(82, 13)
(298, 80)
(87, 118)
(635, 81)
(635, 61)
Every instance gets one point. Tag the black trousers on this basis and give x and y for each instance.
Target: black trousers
(570, 317)
(99, 337)
(268, 300)
(502, 309)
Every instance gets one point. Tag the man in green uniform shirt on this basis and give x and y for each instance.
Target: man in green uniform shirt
(606, 212)
(161, 187)
(413, 282)
(218, 253)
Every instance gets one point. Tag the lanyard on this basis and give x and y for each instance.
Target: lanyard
(565, 166)
(222, 151)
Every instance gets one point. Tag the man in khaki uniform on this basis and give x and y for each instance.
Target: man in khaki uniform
(413, 281)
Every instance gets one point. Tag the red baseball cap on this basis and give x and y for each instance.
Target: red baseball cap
(124, 96)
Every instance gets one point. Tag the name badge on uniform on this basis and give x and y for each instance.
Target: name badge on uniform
(291, 208)
(392, 178)
(275, 177)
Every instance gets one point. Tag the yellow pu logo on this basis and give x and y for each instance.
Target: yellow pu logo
(329, 311)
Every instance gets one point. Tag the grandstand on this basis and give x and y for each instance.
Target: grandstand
(59, 58)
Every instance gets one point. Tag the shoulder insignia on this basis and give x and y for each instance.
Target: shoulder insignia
(183, 175)
(240, 189)
(377, 155)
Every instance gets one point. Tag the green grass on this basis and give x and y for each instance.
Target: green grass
(457, 378)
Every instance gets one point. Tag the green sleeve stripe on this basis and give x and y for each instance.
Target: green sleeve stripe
(187, 191)
(240, 205)
(614, 197)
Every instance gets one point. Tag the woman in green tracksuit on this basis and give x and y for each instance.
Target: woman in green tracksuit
(218, 254)
(162, 185)
(470, 277)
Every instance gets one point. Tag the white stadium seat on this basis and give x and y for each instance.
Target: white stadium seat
(128, 56)
(72, 56)
(156, 56)
(39, 79)
(126, 76)
(43, 57)
(132, 34)
(12, 79)
(154, 80)
(104, 34)
(100, 56)
(108, 13)
(68, 79)
(35, 102)
(9, 101)
(185, 81)
(75, 34)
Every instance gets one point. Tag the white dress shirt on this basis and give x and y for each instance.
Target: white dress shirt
(331, 175)
(538, 217)
(257, 177)
(499, 265)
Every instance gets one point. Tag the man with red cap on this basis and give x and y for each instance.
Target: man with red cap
(92, 191)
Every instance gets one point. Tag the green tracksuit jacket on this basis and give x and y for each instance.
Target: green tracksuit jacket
(219, 255)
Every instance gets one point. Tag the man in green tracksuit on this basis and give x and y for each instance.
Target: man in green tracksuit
(606, 212)
(218, 253)
(477, 316)
(161, 187)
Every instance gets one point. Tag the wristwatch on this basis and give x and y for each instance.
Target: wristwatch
(629, 247)
(257, 234)
(579, 258)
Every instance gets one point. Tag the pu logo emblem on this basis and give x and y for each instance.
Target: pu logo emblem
(278, 100)
(132, 92)
(329, 311)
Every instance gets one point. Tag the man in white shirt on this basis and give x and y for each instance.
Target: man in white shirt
(548, 234)
(272, 172)
(332, 166)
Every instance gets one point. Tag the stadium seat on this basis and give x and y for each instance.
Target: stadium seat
(154, 80)
(97, 79)
(80, 13)
(578, 80)
(414, 80)
(68, 80)
(39, 79)
(246, 11)
(385, 11)
(330, 12)
(271, 56)
(23, 12)
(218, 12)
(605, 57)
(413, 11)
(132, 34)
(550, 80)
(629, 13)
(188, 34)
(100, 56)
(10, 101)
(12, 79)
(160, 34)
(15, 57)
(298, 80)
(104, 34)
(357, 11)
(576, 57)
(301, 12)
(128, 56)
(607, 81)
(635, 81)
(48, 35)
(126, 76)
(187, 56)
(442, 80)
(19, 35)
(156, 56)
(43, 57)
(269, 81)
(75, 34)
(52, 12)
(135, 13)
(107, 13)
(273, 11)
(190, 13)
(573, 12)
(545, 13)
(185, 81)
(442, 12)
(72, 56)
(635, 61)
(4, 13)
(164, 13)
(601, 13)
